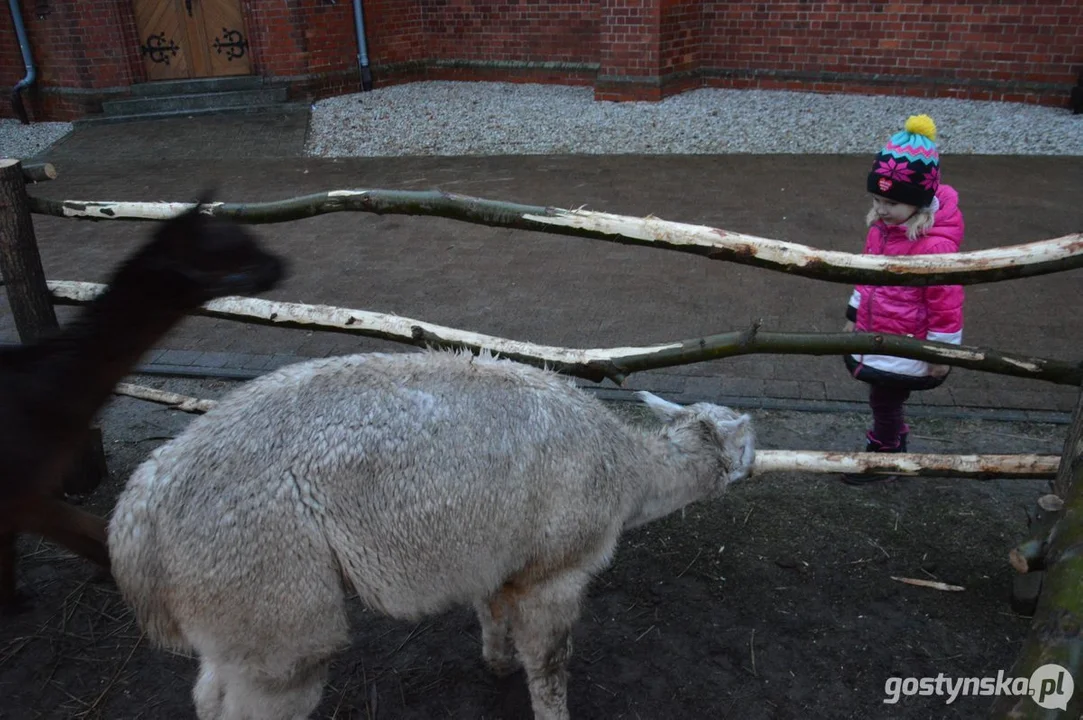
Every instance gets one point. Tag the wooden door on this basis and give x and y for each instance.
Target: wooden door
(163, 39)
(192, 38)
(218, 27)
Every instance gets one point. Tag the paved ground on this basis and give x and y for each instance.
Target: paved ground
(568, 291)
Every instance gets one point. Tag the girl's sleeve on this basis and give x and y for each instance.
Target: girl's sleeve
(851, 308)
(944, 305)
(855, 296)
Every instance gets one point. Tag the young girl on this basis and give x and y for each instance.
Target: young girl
(912, 213)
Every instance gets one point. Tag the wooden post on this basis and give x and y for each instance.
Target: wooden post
(1056, 630)
(30, 301)
(20, 263)
(1072, 454)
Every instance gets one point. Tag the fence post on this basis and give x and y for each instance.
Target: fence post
(24, 278)
(30, 301)
(1072, 454)
(1054, 636)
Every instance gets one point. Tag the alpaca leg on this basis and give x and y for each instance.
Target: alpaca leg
(67, 525)
(234, 691)
(497, 646)
(542, 628)
(265, 644)
(209, 692)
(255, 693)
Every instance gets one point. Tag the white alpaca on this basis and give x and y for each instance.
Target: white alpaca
(418, 480)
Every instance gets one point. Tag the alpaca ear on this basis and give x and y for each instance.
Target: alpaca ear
(718, 432)
(207, 196)
(664, 409)
(734, 425)
(176, 231)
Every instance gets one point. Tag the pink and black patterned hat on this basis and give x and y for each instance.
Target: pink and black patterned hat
(907, 170)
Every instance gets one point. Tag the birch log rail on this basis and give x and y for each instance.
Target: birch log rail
(599, 363)
(966, 268)
(983, 467)
(38, 172)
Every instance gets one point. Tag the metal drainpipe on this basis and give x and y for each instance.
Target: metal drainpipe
(28, 61)
(362, 46)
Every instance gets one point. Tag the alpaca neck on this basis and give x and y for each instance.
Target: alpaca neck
(669, 479)
(86, 359)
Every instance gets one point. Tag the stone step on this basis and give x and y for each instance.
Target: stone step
(194, 101)
(197, 85)
(283, 107)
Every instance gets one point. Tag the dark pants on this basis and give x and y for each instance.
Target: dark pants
(888, 392)
(887, 413)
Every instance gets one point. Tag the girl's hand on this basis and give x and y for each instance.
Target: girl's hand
(939, 370)
(849, 326)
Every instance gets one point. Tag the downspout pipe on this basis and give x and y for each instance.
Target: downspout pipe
(28, 61)
(362, 46)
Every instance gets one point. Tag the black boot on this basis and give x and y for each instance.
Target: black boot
(874, 445)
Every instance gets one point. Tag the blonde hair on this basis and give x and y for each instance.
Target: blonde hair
(917, 225)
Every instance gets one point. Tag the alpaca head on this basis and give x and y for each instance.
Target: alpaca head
(726, 435)
(195, 257)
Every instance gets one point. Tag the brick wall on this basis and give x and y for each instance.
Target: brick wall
(293, 38)
(682, 39)
(394, 30)
(524, 31)
(629, 44)
(682, 36)
(11, 62)
(74, 45)
(1025, 50)
(1007, 50)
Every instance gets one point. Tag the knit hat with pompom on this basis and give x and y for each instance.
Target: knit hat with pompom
(907, 170)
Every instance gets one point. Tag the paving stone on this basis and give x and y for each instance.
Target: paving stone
(782, 388)
(741, 386)
(657, 382)
(812, 390)
(698, 388)
(153, 356)
(278, 361)
(219, 359)
(937, 396)
(178, 357)
(256, 362)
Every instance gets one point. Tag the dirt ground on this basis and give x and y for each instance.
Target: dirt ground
(776, 602)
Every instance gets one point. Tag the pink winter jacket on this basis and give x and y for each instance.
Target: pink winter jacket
(931, 313)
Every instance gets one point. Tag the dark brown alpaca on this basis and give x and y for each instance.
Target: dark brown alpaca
(51, 390)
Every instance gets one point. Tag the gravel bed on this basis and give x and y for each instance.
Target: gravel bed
(461, 118)
(485, 118)
(25, 141)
